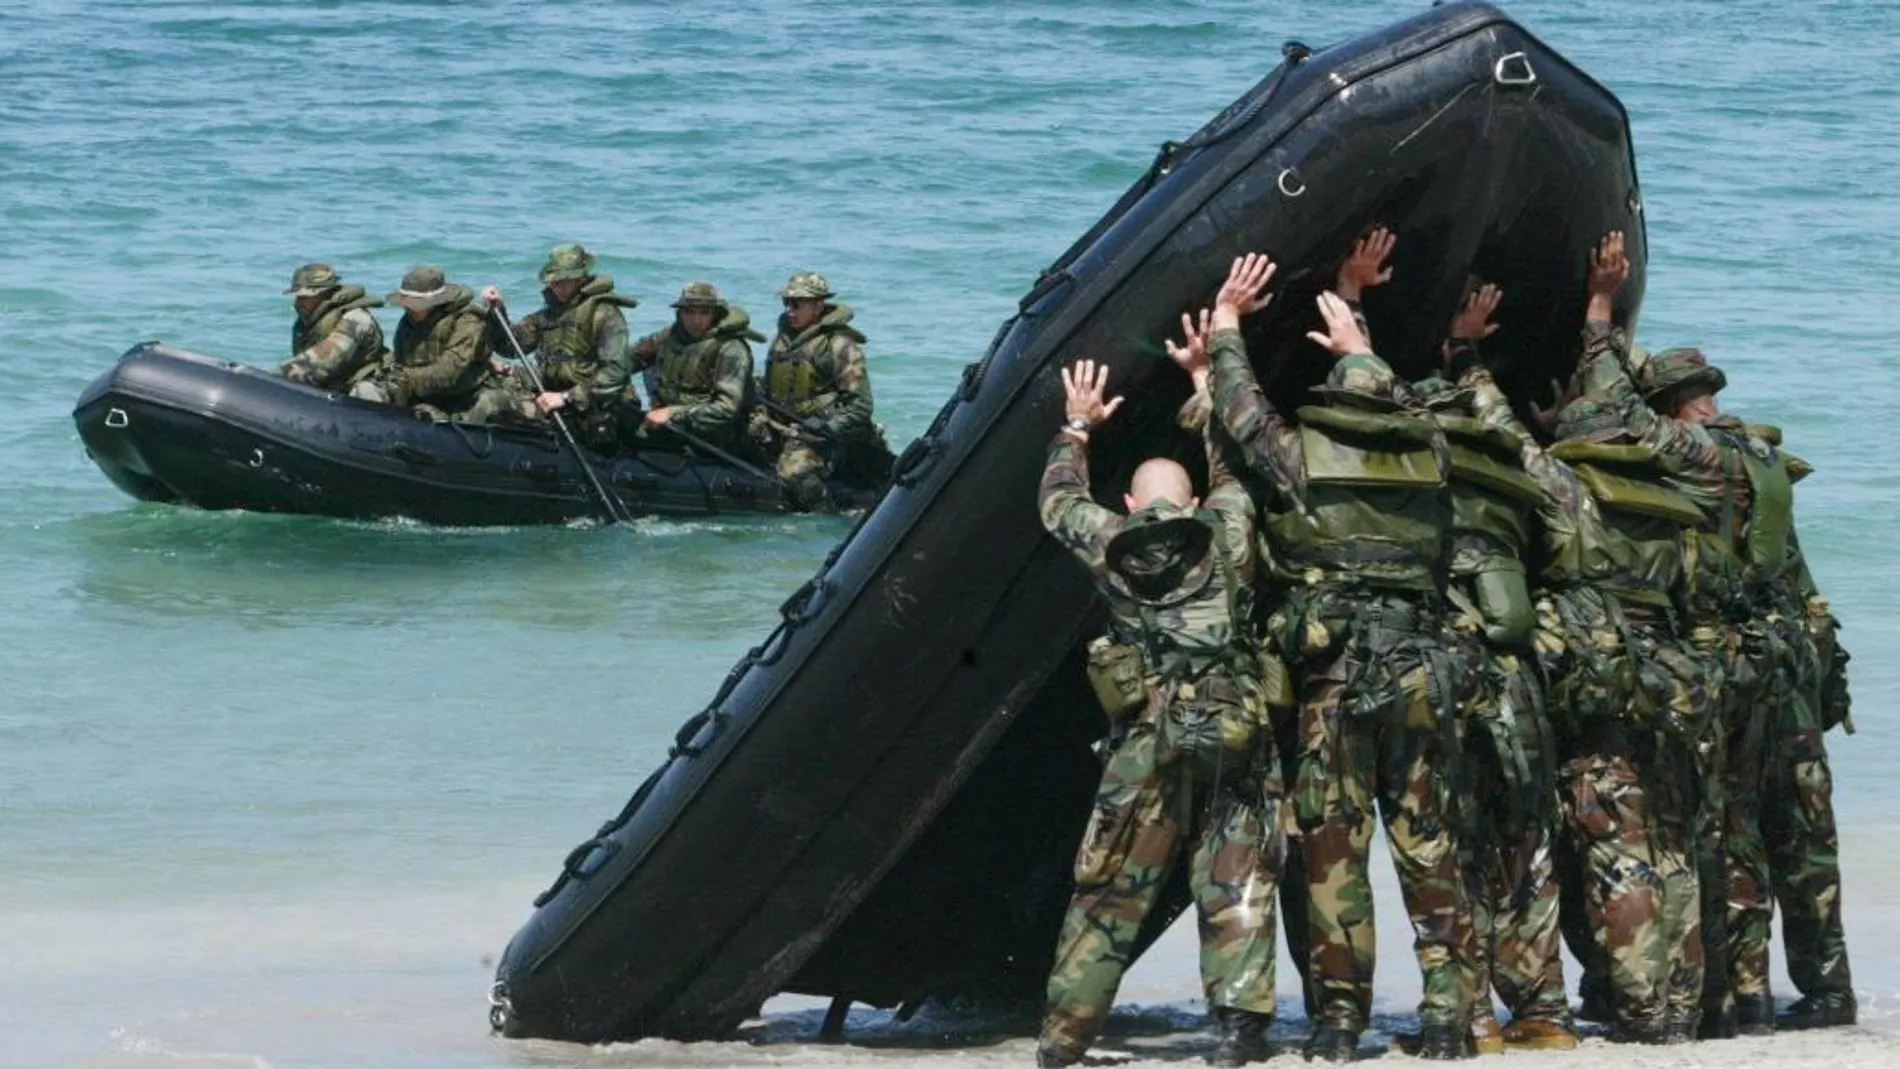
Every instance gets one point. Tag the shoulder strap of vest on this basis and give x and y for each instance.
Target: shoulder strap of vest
(1619, 490)
(1416, 432)
(1579, 451)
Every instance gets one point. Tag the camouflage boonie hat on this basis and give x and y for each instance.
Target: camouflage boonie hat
(1361, 380)
(1158, 548)
(567, 262)
(311, 280)
(1673, 369)
(806, 285)
(700, 295)
(424, 287)
(1590, 419)
(1440, 395)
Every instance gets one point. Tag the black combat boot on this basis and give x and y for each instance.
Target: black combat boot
(1718, 1022)
(1651, 1033)
(1755, 1014)
(1443, 1043)
(1827, 1009)
(1680, 1027)
(1243, 1037)
(1329, 1044)
(1050, 1056)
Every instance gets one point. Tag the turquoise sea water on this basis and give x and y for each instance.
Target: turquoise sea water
(274, 788)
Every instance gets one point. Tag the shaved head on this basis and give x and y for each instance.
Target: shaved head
(1160, 479)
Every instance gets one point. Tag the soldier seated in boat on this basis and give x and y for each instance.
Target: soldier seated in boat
(701, 380)
(579, 338)
(816, 402)
(441, 358)
(336, 339)
(1191, 780)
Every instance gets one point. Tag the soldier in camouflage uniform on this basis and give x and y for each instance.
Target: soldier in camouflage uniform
(1191, 777)
(336, 339)
(1745, 498)
(702, 365)
(1509, 750)
(1774, 653)
(1628, 699)
(818, 388)
(1364, 548)
(440, 362)
(579, 338)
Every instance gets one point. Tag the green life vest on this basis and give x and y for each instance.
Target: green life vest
(1770, 511)
(1635, 551)
(801, 368)
(567, 333)
(324, 322)
(1493, 502)
(421, 344)
(1375, 509)
(688, 367)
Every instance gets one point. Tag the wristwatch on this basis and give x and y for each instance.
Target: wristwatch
(1077, 424)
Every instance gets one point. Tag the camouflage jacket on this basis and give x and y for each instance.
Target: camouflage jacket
(1269, 443)
(582, 345)
(1199, 625)
(337, 342)
(443, 359)
(707, 381)
(820, 372)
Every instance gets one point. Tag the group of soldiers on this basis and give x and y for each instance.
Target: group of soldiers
(1582, 675)
(449, 362)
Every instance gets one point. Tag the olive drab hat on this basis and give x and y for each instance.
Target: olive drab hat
(425, 287)
(1158, 547)
(700, 295)
(806, 285)
(312, 280)
(1363, 380)
(1440, 395)
(1590, 419)
(1673, 369)
(566, 262)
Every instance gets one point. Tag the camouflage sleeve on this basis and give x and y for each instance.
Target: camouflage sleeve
(1231, 501)
(846, 410)
(338, 354)
(645, 351)
(612, 370)
(466, 346)
(527, 332)
(1564, 493)
(1605, 373)
(1068, 511)
(729, 394)
(1267, 441)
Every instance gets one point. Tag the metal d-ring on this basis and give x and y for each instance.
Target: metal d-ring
(1299, 184)
(116, 418)
(1513, 68)
(257, 457)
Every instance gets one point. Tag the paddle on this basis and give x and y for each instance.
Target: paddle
(616, 509)
(808, 424)
(697, 442)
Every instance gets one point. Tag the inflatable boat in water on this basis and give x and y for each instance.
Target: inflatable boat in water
(169, 425)
(882, 800)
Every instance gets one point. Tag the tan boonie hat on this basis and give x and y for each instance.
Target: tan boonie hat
(312, 280)
(806, 286)
(700, 295)
(567, 262)
(425, 287)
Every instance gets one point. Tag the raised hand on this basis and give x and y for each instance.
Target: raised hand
(1241, 294)
(1473, 321)
(1609, 267)
(1191, 354)
(1083, 384)
(1546, 418)
(1366, 266)
(1342, 334)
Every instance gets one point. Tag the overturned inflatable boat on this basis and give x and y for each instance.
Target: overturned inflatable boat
(169, 425)
(882, 799)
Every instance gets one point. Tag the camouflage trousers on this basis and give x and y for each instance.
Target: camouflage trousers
(1506, 837)
(1149, 811)
(1378, 727)
(511, 401)
(1629, 704)
(800, 467)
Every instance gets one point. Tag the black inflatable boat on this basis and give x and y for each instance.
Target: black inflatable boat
(881, 801)
(174, 426)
